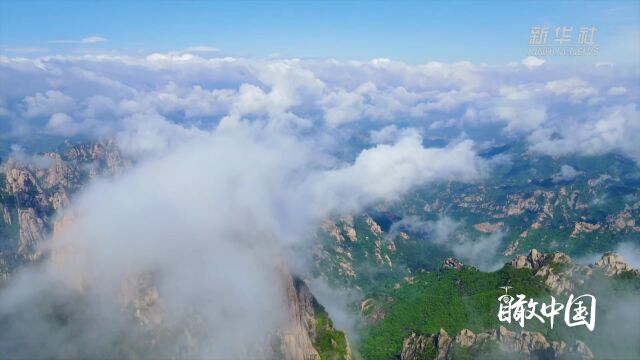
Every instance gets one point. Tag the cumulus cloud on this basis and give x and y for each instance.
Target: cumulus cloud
(185, 87)
(42, 105)
(613, 129)
(575, 89)
(63, 124)
(532, 61)
(391, 133)
(383, 172)
(521, 116)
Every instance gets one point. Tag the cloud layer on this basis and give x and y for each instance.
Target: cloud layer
(239, 159)
(561, 110)
(210, 218)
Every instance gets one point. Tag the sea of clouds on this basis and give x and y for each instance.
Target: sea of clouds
(236, 163)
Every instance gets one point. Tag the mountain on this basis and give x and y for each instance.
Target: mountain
(425, 266)
(498, 344)
(34, 189)
(415, 316)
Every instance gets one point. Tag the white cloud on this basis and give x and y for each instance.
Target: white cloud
(87, 40)
(153, 135)
(576, 89)
(21, 157)
(211, 215)
(614, 129)
(192, 90)
(566, 173)
(617, 90)
(24, 50)
(243, 141)
(92, 40)
(63, 124)
(521, 116)
(201, 49)
(43, 105)
(391, 134)
(383, 172)
(481, 252)
(532, 61)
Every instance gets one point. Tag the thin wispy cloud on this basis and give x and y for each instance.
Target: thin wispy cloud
(202, 49)
(24, 50)
(86, 40)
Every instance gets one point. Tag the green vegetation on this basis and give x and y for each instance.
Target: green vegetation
(330, 343)
(448, 299)
(467, 298)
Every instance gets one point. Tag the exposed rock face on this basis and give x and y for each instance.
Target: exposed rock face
(6, 214)
(467, 344)
(34, 192)
(451, 263)
(141, 296)
(561, 273)
(104, 155)
(59, 174)
(308, 323)
(32, 232)
(348, 228)
(511, 249)
(534, 260)
(518, 204)
(342, 241)
(547, 265)
(489, 227)
(296, 338)
(31, 205)
(426, 347)
(25, 189)
(299, 338)
(582, 227)
(613, 264)
(374, 227)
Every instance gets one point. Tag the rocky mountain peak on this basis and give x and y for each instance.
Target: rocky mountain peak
(451, 263)
(614, 264)
(467, 344)
(534, 260)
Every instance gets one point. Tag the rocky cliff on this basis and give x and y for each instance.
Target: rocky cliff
(31, 195)
(307, 332)
(32, 191)
(310, 332)
(495, 344)
(561, 273)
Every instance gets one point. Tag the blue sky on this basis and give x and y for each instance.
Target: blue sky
(414, 32)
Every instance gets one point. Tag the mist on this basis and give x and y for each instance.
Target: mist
(181, 253)
(449, 233)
